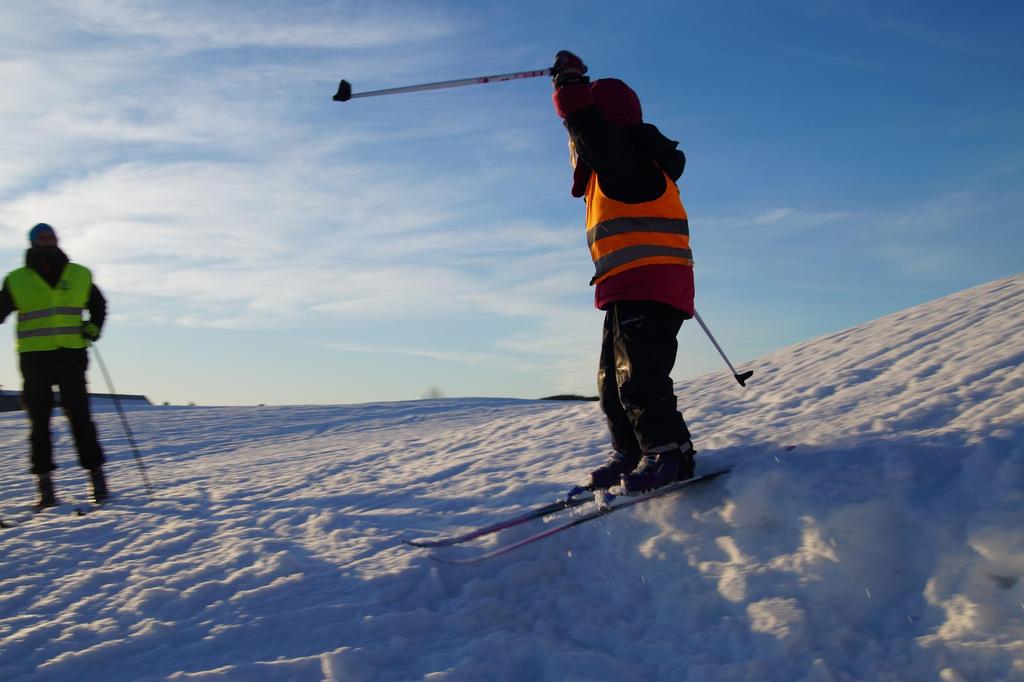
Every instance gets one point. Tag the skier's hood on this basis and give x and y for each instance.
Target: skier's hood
(616, 101)
(48, 261)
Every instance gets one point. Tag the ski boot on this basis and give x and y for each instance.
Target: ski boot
(47, 495)
(611, 472)
(658, 469)
(100, 494)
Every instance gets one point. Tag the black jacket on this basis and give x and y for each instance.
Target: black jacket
(622, 156)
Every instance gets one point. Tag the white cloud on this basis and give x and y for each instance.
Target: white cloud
(484, 360)
(183, 27)
(798, 219)
(930, 238)
(781, 219)
(89, 83)
(215, 189)
(238, 244)
(774, 216)
(945, 213)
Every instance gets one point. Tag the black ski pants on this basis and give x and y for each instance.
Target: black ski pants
(638, 351)
(65, 368)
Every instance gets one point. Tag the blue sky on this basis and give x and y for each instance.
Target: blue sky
(259, 243)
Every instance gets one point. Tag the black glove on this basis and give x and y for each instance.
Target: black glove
(568, 68)
(90, 332)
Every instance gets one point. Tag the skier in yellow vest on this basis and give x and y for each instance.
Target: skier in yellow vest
(639, 240)
(50, 294)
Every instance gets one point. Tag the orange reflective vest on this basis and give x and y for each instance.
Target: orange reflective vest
(624, 236)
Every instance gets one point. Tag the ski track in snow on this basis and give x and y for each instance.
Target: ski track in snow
(886, 546)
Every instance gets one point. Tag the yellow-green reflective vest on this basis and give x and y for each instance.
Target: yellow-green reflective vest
(50, 317)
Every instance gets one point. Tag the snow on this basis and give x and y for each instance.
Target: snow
(887, 545)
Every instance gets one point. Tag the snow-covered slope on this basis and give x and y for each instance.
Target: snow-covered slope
(886, 546)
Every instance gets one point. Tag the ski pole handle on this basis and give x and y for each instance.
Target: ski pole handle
(345, 93)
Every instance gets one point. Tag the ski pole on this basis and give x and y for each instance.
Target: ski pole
(741, 378)
(345, 93)
(124, 421)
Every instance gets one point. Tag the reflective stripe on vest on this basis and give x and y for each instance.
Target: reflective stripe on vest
(50, 317)
(27, 317)
(48, 331)
(623, 236)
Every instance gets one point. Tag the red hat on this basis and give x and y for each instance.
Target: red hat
(616, 101)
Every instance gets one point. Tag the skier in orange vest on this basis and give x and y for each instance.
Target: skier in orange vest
(638, 235)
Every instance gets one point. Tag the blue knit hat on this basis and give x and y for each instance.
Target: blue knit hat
(38, 230)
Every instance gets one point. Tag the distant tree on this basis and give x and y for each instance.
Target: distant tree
(433, 393)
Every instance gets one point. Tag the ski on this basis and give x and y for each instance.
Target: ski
(76, 510)
(610, 507)
(12, 521)
(567, 502)
(579, 495)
